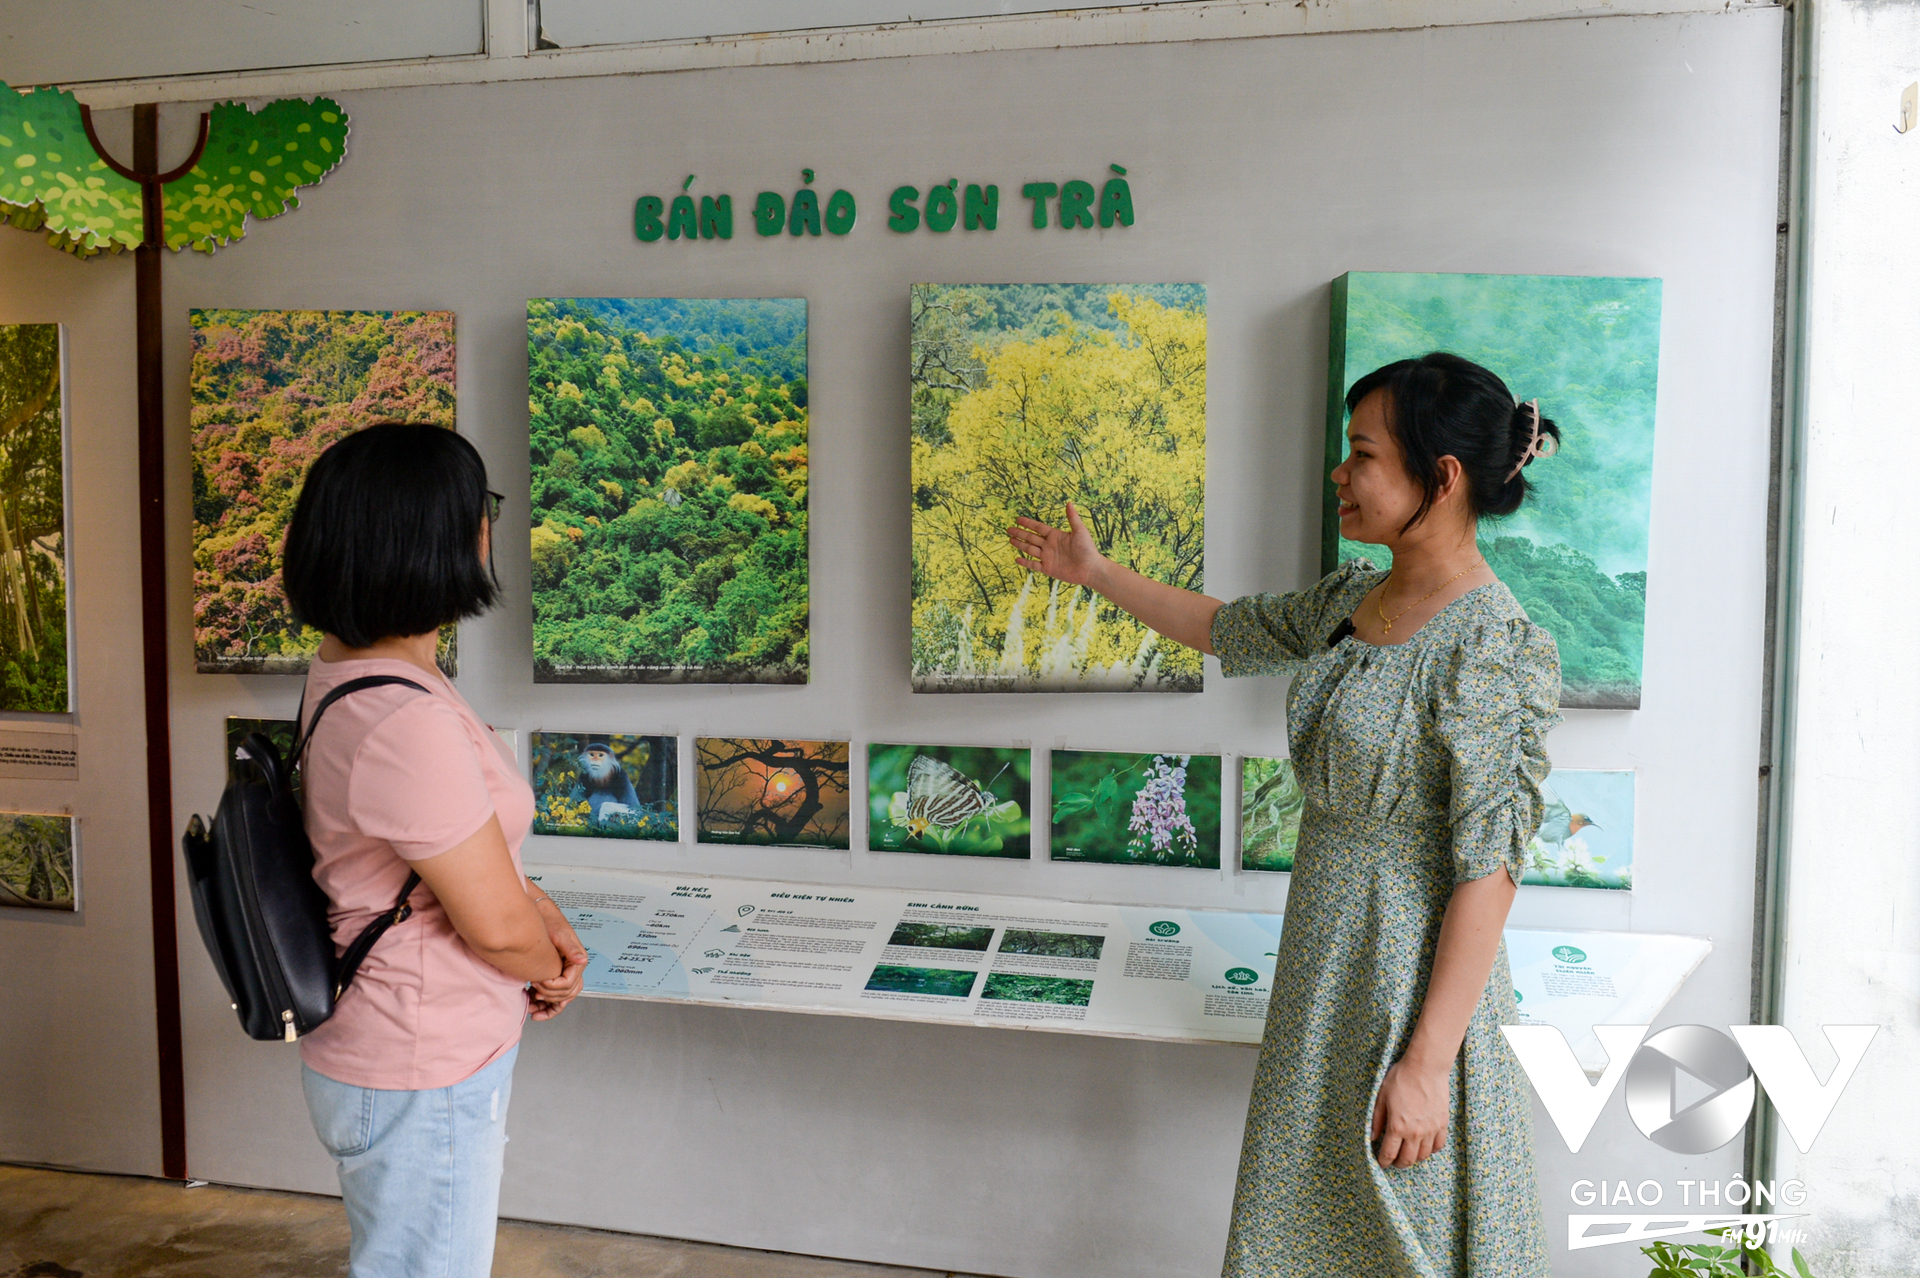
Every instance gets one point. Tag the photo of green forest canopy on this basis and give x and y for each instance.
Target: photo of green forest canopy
(941, 936)
(271, 390)
(1026, 397)
(33, 521)
(668, 439)
(1073, 945)
(1018, 988)
(36, 862)
(1588, 348)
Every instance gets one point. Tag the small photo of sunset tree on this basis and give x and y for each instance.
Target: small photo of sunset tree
(767, 792)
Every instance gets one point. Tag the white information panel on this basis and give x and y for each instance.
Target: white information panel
(1025, 962)
(1577, 980)
(919, 955)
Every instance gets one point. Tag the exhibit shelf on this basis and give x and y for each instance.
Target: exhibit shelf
(1013, 962)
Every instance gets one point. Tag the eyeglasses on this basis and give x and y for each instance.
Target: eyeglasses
(493, 505)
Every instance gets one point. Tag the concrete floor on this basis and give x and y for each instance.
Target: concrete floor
(71, 1225)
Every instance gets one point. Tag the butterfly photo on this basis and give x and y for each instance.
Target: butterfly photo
(961, 800)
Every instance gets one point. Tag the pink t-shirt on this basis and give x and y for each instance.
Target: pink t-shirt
(392, 776)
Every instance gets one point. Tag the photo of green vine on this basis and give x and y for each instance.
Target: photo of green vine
(1270, 806)
(36, 862)
(1588, 348)
(1026, 397)
(1136, 809)
(33, 521)
(668, 440)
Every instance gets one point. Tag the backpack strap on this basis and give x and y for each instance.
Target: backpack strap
(351, 685)
(349, 963)
(356, 954)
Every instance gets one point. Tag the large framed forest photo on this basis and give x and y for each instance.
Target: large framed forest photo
(33, 521)
(1588, 348)
(669, 505)
(271, 390)
(1026, 397)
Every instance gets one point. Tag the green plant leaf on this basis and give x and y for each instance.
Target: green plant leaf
(1072, 803)
(51, 177)
(1800, 1264)
(253, 163)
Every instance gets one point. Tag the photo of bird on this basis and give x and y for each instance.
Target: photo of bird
(1561, 823)
(1575, 846)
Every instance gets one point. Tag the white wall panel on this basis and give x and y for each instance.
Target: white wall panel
(79, 1079)
(77, 40)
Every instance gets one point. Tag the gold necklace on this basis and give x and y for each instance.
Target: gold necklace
(1386, 622)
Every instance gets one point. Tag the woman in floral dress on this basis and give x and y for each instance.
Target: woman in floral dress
(1390, 1131)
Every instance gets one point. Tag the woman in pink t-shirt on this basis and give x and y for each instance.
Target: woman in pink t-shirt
(408, 1081)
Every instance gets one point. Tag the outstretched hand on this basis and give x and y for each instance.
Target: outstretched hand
(1067, 555)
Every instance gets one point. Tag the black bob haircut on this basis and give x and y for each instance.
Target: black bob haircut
(385, 539)
(1441, 405)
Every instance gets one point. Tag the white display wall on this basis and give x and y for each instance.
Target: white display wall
(1262, 168)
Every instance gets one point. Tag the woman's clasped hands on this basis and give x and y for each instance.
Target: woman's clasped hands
(547, 998)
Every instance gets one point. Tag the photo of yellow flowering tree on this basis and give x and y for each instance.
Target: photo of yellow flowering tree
(1026, 397)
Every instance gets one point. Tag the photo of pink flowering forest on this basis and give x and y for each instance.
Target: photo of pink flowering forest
(1136, 809)
(271, 390)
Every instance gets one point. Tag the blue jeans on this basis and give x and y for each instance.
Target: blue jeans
(420, 1171)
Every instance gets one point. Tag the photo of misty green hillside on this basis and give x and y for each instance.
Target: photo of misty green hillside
(1588, 348)
(668, 440)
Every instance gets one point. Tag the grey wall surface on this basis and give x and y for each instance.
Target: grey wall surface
(79, 1081)
(1263, 168)
(80, 40)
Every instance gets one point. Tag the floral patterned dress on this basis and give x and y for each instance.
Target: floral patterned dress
(1421, 766)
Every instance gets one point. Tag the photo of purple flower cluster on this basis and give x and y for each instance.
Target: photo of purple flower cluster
(1123, 808)
(1160, 809)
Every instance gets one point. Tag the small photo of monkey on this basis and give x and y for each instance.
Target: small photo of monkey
(606, 785)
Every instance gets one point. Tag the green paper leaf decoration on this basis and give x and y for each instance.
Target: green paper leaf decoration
(50, 177)
(253, 164)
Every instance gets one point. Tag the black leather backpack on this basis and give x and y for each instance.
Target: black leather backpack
(263, 918)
